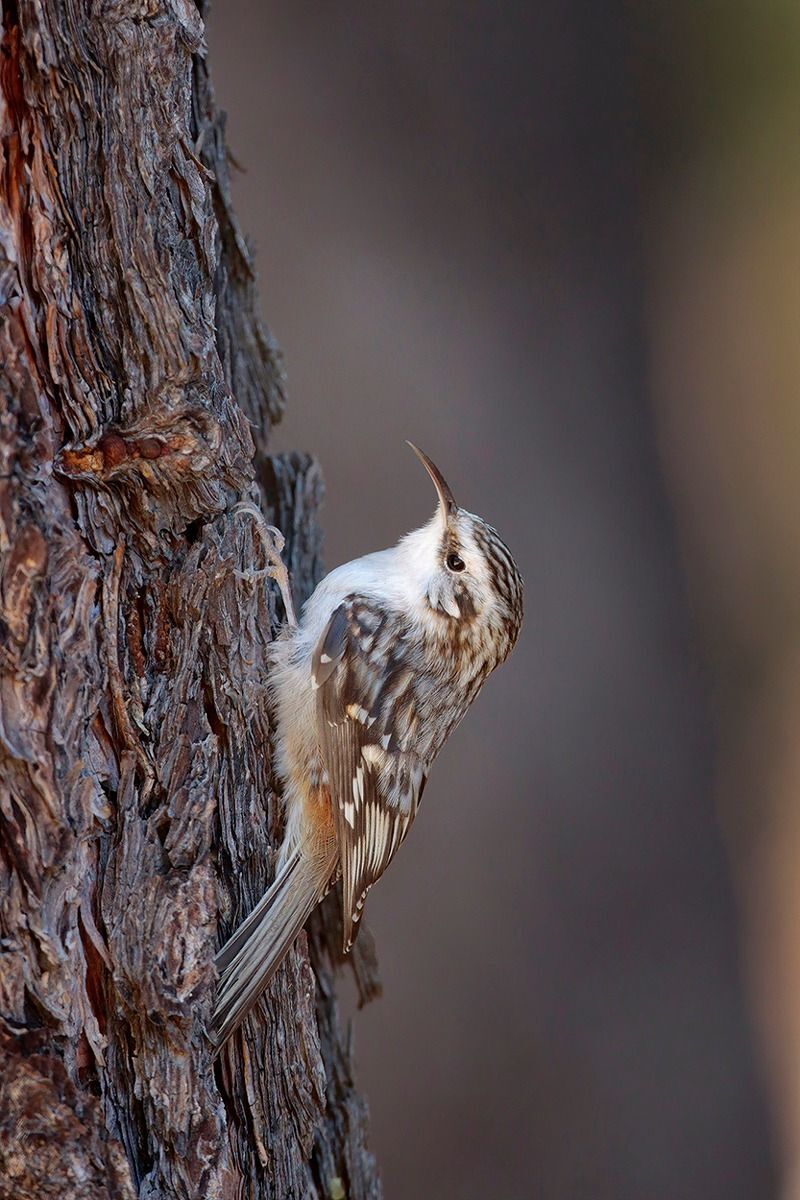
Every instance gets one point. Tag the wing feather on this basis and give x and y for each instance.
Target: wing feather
(365, 714)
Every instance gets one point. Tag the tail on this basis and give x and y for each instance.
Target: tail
(250, 958)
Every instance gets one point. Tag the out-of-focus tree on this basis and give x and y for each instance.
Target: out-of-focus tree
(725, 329)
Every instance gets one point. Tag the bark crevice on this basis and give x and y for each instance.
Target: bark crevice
(138, 816)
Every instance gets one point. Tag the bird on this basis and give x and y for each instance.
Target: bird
(390, 651)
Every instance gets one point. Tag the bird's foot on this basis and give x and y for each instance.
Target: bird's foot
(273, 542)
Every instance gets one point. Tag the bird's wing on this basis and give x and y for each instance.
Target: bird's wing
(366, 718)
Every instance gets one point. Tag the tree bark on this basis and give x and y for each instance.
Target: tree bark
(138, 817)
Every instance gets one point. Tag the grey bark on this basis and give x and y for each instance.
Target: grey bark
(138, 817)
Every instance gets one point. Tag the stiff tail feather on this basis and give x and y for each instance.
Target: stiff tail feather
(249, 959)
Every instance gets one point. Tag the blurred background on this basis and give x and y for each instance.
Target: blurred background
(556, 244)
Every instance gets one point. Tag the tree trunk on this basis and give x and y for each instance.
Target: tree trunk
(138, 819)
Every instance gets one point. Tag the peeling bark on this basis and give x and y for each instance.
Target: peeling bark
(138, 817)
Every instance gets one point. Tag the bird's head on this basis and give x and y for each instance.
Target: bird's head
(464, 568)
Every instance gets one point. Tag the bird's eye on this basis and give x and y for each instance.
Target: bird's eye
(454, 562)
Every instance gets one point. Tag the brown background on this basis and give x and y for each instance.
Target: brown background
(453, 212)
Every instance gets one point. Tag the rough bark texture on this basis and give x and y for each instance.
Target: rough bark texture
(137, 809)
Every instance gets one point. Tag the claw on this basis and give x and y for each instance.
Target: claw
(273, 542)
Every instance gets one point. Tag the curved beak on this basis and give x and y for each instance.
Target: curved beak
(447, 504)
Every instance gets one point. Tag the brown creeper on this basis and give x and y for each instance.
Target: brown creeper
(390, 652)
